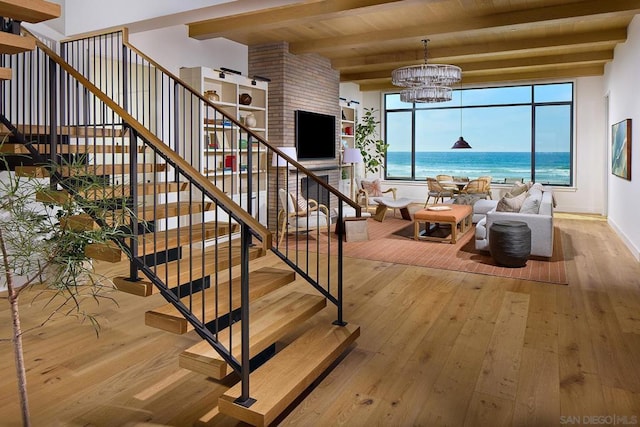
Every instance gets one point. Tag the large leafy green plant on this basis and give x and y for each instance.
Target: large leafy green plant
(40, 251)
(373, 148)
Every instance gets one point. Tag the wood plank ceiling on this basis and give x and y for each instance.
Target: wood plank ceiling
(491, 40)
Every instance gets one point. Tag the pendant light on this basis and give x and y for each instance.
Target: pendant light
(460, 143)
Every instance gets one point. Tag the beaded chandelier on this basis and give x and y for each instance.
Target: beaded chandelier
(426, 82)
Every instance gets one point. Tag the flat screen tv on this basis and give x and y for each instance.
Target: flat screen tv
(315, 135)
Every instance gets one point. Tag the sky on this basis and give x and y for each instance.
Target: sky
(501, 127)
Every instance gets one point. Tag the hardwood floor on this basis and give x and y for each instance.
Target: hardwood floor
(437, 348)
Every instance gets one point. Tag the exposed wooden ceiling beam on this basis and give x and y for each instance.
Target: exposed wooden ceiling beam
(279, 17)
(594, 39)
(504, 77)
(470, 23)
(480, 65)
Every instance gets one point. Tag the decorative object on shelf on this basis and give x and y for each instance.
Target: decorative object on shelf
(212, 96)
(426, 82)
(352, 156)
(460, 143)
(372, 148)
(243, 144)
(231, 162)
(348, 130)
(245, 99)
(250, 120)
(621, 149)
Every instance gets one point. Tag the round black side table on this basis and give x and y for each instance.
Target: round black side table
(510, 243)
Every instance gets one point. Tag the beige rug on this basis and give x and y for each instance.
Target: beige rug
(392, 241)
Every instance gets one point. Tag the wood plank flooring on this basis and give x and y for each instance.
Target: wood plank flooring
(437, 348)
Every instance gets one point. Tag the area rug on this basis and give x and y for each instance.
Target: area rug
(392, 241)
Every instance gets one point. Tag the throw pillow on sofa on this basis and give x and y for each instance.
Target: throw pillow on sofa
(532, 203)
(511, 204)
(517, 189)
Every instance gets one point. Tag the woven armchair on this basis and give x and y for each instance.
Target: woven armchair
(367, 190)
(437, 191)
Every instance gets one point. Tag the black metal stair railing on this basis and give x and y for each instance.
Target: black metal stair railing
(183, 119)
(182, 225)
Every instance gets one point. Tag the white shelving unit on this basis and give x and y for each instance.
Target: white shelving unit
(347, 140)
(224, 150)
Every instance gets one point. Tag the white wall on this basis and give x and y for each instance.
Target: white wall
(85, 16)
(172, 48)
(620, 83)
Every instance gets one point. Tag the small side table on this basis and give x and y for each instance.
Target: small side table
(510, 243)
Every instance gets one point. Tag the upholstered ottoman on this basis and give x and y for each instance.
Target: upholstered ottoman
(453, 215)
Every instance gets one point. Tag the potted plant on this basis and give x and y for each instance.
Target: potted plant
(42, 251)
(373, 148)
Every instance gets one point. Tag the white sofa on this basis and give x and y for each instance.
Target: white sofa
(541, 224)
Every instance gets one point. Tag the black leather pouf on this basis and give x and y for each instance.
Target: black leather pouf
(510, 243)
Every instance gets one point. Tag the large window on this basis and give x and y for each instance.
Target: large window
(516, 132)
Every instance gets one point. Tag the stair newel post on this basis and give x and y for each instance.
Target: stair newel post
(245, 237)
(131, 203)
(340, 223)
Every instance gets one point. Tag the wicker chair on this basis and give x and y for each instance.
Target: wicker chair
(487, 179)
(449, 187)
(365, 197)
(436, 190)
(291, 219)
(475, 186)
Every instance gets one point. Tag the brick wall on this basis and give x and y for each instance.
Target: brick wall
(298, 82)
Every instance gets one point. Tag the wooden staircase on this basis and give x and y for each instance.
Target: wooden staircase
(33, 11)
(205, 280)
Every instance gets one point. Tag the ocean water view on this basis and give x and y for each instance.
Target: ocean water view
(551, 167)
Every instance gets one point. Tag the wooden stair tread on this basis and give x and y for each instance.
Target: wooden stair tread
(30, 10)
(168, 210)
(114, 192)
(112, 169)
(12, 43)
(97, 131)
(121, 191)
(5, 73)
(271, 317)
(168, 272)
(261, 282)
(67, 171)
(149, 244)
(65, 149)
(277, 383)
(78, 223)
